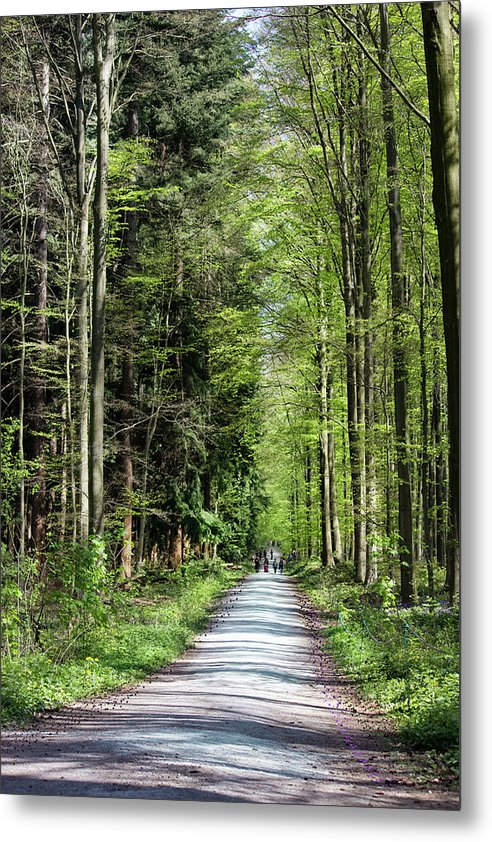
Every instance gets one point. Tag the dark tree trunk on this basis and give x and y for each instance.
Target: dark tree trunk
(445, 168)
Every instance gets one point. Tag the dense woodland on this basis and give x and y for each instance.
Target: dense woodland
(230, 295)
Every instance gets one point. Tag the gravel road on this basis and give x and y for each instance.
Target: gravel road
(245, 715)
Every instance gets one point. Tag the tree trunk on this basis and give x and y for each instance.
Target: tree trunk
(103, 61)
(347, 505)
(22, 370)
(326, 543)
(352, 419)
(365, 294)
(126, 462)
(400, 373)
(83, 365)
(445, 168)
(336, 538)
(425, 463)
(308, 499)
(126, 456)
(350, 302)
(84, 191)
(439, 475)
(39, 500)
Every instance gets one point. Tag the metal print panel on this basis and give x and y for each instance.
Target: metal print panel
(230, 405)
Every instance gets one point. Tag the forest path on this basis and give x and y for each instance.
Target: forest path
(245, 715)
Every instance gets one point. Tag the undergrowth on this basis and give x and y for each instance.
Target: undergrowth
(404, 659)
(145, 628)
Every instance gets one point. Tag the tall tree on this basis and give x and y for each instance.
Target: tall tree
(104, 45)
(439, 58)
(38, 391)
(399, 306)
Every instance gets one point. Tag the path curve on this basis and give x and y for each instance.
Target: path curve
(243, 716)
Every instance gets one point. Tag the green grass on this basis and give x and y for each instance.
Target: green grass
(146, 628)
(407, 661)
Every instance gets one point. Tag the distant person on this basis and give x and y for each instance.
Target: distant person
(275, 565)
(257, 564)
(271, 553)
(281, 565)
(265, 566)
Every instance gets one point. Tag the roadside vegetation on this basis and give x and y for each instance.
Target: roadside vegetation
(405, 659)
(132, 632)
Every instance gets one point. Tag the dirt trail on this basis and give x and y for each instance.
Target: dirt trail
(251, 713)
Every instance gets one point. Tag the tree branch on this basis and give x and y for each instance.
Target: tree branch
(381, 70)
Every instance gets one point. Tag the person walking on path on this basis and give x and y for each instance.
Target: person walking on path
(281, 565)
(275, 564)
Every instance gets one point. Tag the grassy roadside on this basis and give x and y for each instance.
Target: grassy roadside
(145, 628)
(404, 660)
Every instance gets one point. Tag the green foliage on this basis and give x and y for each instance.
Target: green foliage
(146, 628)
(21, 590)
(14, 470)
(417, 686)
(384, 588)
(407, 661)
(76, 587)
(212, 528)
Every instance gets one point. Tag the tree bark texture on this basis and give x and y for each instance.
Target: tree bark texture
(445, 169)
(327, 548)
(84, 191)
(336, 538)
(127, 384)
(354, 386)
(104, 51)
(400, 372)
(38, 396)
